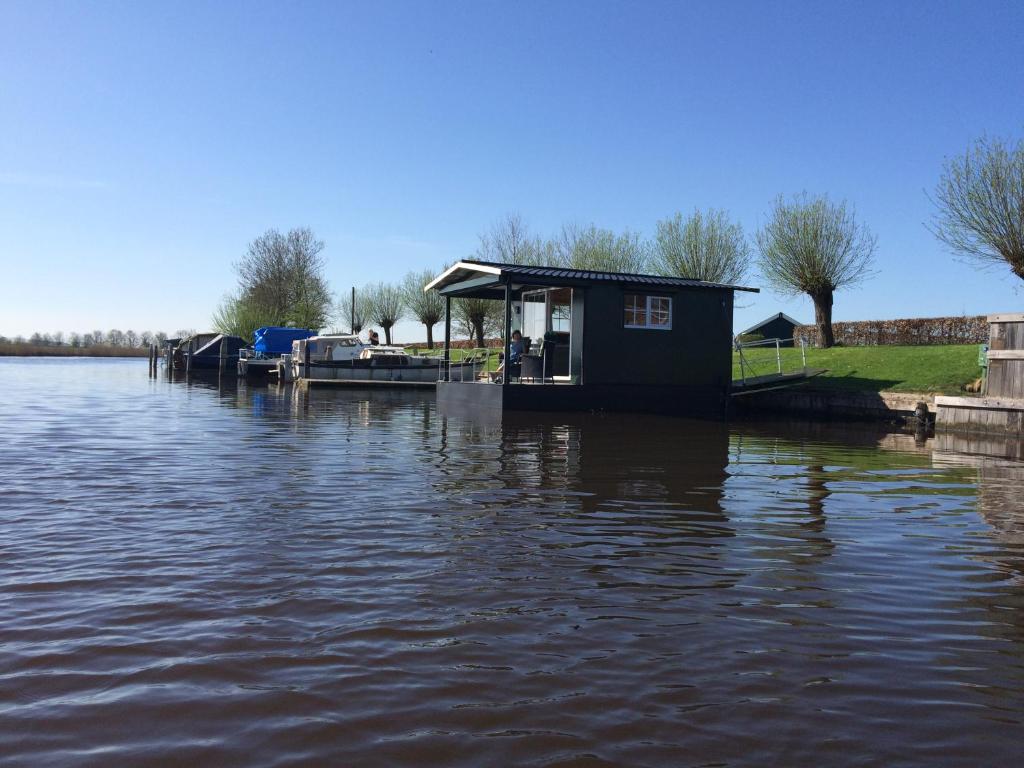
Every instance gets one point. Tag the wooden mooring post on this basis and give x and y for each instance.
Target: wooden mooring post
(223, 361)
(188, 360)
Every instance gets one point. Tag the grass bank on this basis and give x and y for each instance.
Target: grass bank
(937, 369)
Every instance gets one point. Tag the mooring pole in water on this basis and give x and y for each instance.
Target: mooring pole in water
(223, 353)
(447, 338)
(188, 360)
(305, 362)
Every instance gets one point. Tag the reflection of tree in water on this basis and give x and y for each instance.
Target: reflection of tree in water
(782, 488)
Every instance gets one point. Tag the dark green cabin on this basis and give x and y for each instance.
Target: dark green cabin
(598, 341)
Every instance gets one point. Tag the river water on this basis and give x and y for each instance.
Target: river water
(203, 575)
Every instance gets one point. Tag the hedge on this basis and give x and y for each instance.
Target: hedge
(911, 332)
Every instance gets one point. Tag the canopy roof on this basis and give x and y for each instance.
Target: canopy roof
(487, 279)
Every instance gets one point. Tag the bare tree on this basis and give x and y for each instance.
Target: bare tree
(352, 316)
(75, 340)
(99, 338)
(281, 280)
(425, 306)
(385, 306)
(131, 338)
(509, 241)
(115, 338)
(599, 249)
(980, 204)
(704, 246)
(814, 246)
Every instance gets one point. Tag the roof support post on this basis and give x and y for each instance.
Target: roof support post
(446, 376)
(508, 334)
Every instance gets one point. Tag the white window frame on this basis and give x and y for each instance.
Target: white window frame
(647, 325)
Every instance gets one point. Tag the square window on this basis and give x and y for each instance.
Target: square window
(648, 311)
(636, 311)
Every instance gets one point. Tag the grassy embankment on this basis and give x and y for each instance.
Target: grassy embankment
(937, 369)
(44, 350)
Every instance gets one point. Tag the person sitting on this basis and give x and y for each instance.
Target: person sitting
(516, 349)
(374, 338)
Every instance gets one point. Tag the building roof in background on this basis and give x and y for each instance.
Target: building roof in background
(771, 319)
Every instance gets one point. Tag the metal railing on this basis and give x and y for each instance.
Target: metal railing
(759, 359)
(474, 364)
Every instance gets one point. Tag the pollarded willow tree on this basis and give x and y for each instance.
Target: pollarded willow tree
(425, 306)
(385, 306)
(980, 204)
(509, 241)
(599, 249)
(352, 311)
(706, 245)
(478, 318)
(813, 246)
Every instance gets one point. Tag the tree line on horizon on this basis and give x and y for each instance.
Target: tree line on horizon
(112, 338)
(809, 244)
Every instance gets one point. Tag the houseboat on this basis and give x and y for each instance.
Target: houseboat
(596, 341)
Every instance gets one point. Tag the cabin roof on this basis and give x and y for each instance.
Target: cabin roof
(773, 318)
(484, 278)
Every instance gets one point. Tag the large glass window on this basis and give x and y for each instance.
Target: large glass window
(648, 311)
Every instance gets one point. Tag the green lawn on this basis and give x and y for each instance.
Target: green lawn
(938, 369)
(457, 355)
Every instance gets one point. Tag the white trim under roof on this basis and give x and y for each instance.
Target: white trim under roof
(461, 265)
(767, 320)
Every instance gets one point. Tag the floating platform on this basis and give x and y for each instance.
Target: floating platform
(365, 384)
(984, 414)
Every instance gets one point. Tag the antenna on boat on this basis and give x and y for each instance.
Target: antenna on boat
(352, 313)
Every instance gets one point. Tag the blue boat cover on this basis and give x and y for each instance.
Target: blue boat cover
(278, 341)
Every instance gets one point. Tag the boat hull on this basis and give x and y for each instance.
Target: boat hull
(374, 370)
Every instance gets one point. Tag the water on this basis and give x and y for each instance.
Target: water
(249, 576)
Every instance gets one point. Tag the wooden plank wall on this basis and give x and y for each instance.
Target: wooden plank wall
(1006, 358)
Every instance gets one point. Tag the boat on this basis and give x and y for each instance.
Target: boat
(205, 351)
(349, 358)
(270, 345)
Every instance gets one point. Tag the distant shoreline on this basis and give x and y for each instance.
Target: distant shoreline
(41, 350)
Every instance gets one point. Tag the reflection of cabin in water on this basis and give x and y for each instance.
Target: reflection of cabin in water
(598, 340)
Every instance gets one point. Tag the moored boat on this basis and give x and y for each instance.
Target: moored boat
(349, 358)
(271, 344)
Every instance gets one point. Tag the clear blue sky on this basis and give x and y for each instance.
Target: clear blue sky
(142, 145)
